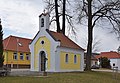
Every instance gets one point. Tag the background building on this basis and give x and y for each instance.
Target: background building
(114, 58)
(16, 52)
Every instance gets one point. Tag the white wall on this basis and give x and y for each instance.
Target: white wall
(116, 61)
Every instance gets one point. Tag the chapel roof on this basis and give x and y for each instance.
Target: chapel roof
(44, 14)
(64, 40)
(14, 43)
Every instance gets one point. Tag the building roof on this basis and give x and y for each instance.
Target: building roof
(93, 57)
(109, 55)
(64, 40)
(14, 43)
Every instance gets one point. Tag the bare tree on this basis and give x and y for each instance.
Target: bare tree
(62, 13)
(95, 11)
(63, 20)
(57, 16)
(96, 45)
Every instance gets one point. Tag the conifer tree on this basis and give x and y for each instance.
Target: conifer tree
(1, 46)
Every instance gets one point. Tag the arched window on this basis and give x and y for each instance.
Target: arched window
(42, 22)
(66, 58)
(75, 59)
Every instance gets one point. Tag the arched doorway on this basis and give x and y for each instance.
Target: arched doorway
(42, 61)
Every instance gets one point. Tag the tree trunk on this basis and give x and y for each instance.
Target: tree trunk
(63, 20)
(90, 35)
(57, 16)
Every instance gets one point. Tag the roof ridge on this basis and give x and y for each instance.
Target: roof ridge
(34, 37)
(20, 37)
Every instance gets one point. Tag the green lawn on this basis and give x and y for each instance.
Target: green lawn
(86, 77)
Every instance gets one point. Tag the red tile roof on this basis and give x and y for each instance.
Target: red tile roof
(64, 40)
(110, 55)
(10, 43)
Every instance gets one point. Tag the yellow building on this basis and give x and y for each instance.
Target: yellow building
(54, 52)
(16, 52)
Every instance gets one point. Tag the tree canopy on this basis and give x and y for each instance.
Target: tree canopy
(105, 62)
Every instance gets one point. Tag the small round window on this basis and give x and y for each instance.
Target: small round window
(42, 42)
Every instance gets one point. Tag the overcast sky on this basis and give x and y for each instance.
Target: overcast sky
(21, 18)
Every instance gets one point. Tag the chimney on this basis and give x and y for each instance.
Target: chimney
(118, 49)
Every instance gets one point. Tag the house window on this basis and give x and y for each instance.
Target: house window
(27, 57)
(15, 56)
(42, 22)
(21, 56)
(66, 58)
(75, 59)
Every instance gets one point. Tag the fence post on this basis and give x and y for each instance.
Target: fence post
(115, 71)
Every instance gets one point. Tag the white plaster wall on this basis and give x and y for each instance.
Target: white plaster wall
(113, 61)
(116, 61)
(57, 60)
(32, 57)
(93, 62)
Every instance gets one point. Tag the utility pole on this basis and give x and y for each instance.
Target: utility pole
(17, 51)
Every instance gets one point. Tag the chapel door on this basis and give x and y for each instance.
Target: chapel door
(43, 62)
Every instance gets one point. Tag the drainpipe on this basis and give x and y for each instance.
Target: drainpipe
(7, 58)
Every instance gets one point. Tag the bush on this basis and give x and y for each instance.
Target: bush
(105, 62)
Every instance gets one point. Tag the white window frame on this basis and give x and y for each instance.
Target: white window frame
(21, 55)
(15, 57)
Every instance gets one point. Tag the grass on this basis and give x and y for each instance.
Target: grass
(85, 77)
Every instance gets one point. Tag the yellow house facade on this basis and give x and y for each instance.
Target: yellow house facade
(16, 52)
(54, 52)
